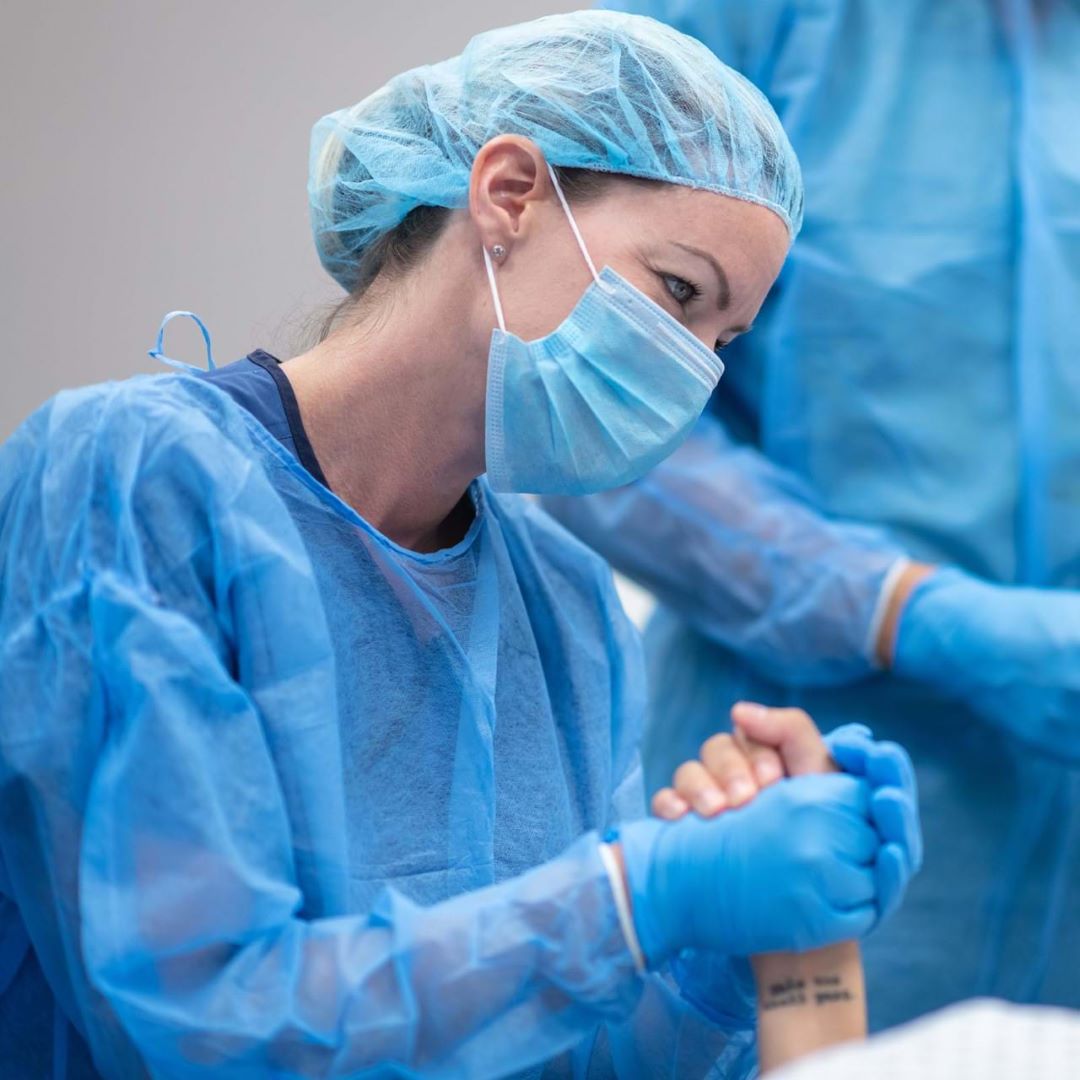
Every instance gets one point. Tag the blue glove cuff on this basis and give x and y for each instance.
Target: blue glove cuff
(639, 840)
(928, 623)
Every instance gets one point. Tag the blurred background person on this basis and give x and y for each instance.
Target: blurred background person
(880, 518)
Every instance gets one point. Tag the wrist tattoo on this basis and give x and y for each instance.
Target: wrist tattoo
(818, 990)
(830, 988)
(784, 992)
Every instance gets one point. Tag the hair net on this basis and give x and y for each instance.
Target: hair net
(593, 89)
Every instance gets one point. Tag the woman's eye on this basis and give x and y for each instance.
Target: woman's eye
(682, 291)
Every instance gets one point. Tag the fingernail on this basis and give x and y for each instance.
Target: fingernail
(711, 802)
(767, 772)
(672, 805)
(740, 790)
(751, 710)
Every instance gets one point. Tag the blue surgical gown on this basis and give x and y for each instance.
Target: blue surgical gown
(279, 797)
(912, 387)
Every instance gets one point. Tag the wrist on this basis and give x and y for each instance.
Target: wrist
(900, 590)
(615, 864)
(807, 1001)
(653, 901)
(940, 636)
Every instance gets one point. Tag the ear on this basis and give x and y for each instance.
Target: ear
(509, 177)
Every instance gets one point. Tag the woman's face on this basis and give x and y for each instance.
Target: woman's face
(705, 258)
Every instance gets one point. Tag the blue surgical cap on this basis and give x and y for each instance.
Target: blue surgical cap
(597, 90)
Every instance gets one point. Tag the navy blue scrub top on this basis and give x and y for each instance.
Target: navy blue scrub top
(260, 386)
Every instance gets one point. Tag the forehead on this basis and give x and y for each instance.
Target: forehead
(649, 210)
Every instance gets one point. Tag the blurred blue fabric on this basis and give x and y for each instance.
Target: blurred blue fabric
(911, 389)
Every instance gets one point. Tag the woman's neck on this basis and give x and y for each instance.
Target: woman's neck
(396, 415)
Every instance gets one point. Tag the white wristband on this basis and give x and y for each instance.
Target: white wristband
(881, 608)
(622, 906)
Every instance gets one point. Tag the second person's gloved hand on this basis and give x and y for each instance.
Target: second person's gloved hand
(792, 870)
(894, 806)
(1011, 654)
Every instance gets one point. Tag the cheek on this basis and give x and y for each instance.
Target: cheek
(539, 293)
(708, 328)
(647, 282)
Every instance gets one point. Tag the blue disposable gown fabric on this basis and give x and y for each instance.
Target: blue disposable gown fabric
(278, 797)
(911, 388)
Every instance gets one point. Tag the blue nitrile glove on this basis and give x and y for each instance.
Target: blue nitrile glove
(792, 870)
(1011, 654)
(894, 807)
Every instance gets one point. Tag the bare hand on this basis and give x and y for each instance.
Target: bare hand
(764, 746)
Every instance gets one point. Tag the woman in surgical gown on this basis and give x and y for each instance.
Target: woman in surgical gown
(308, 734)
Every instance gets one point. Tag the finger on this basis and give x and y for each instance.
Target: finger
(730, 768)
(889, 764)
(852, 793)
(848, 887)
(765, 762)
(789, 731)
(849, 745)
(840, 809)
(897, 820)
(857, 839)
(882, 763)
(892, 873)
(852, 730)
(669, 805)
(695, 784)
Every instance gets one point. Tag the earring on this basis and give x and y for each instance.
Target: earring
(498, 251)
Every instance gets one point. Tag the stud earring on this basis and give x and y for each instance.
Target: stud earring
(498, 251)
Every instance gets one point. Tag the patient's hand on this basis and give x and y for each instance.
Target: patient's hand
(765, 745)
(806, 1001)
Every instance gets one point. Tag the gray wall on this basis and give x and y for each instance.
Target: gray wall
(155, 155)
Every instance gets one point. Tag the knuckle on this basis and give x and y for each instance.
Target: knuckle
(801, 718)
(716, 744)
(687, 775)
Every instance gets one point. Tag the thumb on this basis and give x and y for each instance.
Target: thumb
(790, 732)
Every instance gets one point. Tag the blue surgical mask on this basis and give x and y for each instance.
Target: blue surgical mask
(599, 401)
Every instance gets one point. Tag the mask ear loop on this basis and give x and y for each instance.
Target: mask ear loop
(494, 289)
(573, 224)
(489, 266)
(157, 353)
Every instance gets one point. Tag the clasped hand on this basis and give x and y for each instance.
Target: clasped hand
(774, 839)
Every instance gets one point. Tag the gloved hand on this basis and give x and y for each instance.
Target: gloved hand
(1011, 654)
(792, 870)
(894, 807)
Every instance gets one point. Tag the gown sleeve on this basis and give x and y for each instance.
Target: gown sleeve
(696, 1015)
(734, 544)
(739, 547)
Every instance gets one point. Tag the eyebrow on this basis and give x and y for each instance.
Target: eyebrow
(724, 299)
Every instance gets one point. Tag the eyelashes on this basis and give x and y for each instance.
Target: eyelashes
(682, 290)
